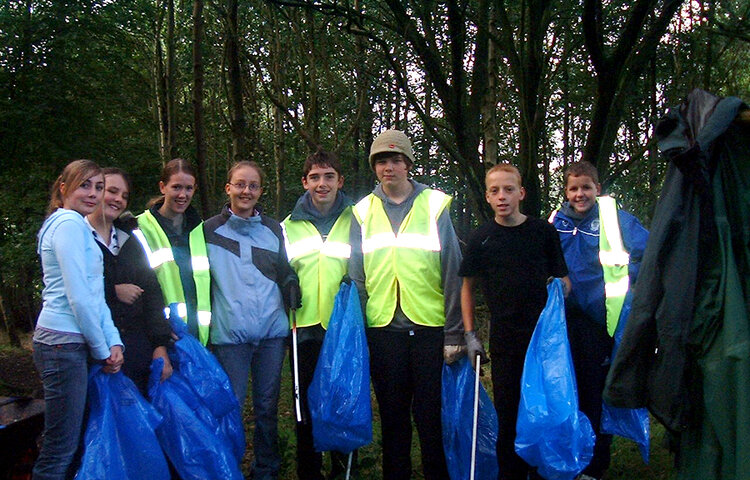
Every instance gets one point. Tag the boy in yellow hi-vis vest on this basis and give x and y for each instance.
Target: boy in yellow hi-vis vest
(405, 259)
(316, 235)
(603, 247)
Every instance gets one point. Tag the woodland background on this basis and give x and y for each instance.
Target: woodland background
(539, 83)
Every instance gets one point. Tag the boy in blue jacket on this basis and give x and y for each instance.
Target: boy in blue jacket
(603, 247)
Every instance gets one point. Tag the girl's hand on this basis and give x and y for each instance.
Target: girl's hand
(128, 293)
(166, 372)
(115, 360)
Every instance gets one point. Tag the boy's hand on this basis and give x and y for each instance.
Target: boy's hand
(474, 347)
(453, 353)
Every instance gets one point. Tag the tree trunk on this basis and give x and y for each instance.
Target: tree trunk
(234, 74)
(198, 127)
(708, 63)
(160, 87)
(489, 107)
(10, 326)
(618, 67)
(279, 156)
(171, 146)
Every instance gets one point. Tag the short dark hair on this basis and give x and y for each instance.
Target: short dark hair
(582, 168)
(321, 158)
(384, 155)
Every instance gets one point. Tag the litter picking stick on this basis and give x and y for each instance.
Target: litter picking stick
(476, 419)
(349, 465)
(297, 403)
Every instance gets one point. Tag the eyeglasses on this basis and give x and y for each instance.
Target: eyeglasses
(254, 187)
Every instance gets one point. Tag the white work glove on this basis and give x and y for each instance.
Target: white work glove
(474, 347)
(453, 353)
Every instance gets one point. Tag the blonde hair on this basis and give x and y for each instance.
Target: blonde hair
(246, 163)
(504, 167)
(72, 176)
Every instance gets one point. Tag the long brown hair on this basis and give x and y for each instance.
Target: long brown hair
(174, 166)
(73, 175)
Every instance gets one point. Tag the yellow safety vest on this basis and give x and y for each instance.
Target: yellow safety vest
(320, 265)
(159, 252)
(403, 268)
(614, 260)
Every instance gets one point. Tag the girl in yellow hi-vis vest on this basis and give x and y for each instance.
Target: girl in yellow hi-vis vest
(171, 232)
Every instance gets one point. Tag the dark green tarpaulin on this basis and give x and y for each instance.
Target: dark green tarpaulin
(685, 352)
(718, 447)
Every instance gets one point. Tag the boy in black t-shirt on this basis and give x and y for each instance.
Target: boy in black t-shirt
(511, 257)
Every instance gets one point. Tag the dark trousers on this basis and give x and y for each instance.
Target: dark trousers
(406, 370)
(591, 348)
(138, 364)
(310, 462)
(507, 367)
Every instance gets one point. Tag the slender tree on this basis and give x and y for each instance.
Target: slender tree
(198, 117)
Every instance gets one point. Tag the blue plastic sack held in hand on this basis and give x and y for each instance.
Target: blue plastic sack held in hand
(339, 395)
(551, 433)
(208, 381)
(120, 442)
(458, 423)
(201, 368)
(189, 434)
(630, 423)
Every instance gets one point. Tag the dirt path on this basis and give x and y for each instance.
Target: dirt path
(18, 377)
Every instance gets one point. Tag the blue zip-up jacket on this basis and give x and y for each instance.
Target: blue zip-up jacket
(73, 276)
(579, 239)
(248, 269)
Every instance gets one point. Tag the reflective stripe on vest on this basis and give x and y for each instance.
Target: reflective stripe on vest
(614, 260)
(403, 267)
(320, 265)
(159, 252)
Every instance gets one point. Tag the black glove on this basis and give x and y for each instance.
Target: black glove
(474, 347)
(293, 295)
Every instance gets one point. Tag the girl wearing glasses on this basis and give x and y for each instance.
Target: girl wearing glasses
(130, 286)
(252, 282)
(75, 322)
(171, 233)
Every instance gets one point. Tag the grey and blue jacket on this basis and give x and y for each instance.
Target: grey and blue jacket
(249, 271)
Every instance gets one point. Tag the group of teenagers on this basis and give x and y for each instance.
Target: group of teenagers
(235, 278)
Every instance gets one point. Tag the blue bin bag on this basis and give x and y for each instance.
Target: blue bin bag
(120, 442)
(630, 423)
(551, 433)
(190, 435)
(209, 383)
(197, 364)
(339, 395)
(458, 422)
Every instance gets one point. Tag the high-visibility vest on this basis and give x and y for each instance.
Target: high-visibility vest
(403, 267)
(159, 252)
(320, 265)
(614, 260)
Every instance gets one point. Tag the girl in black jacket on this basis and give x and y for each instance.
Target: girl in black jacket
(131, 289)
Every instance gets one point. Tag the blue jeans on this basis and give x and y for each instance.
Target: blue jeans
(64, 372)
(263, 362)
